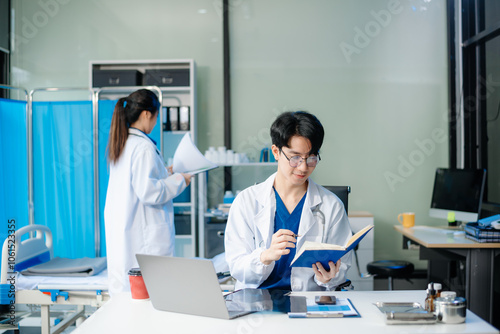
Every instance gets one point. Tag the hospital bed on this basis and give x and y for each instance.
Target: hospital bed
(45, 291)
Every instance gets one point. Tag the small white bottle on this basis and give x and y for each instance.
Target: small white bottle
(230, 156)
(438, 287)
(221, 154)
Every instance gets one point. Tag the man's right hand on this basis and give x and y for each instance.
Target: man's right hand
(281, 241)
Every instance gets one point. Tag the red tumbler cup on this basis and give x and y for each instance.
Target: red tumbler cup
(137, 286)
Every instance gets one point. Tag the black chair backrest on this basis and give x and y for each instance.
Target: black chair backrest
(342, 192)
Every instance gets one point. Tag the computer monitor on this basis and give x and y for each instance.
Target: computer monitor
(459, 191)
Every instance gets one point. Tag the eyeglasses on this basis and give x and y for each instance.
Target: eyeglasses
(296, 160)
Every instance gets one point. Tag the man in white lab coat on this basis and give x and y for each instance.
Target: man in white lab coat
(138, 213)
(269, 221)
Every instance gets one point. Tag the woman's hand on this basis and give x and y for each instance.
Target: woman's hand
(323, 275)
(280, 242)
(187, 178)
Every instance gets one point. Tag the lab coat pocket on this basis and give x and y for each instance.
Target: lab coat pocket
(160, 237)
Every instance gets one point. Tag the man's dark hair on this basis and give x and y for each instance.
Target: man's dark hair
(297, 123)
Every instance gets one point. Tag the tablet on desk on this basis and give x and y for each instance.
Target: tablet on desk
(307, 307)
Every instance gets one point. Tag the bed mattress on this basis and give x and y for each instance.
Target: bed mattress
(32, 282)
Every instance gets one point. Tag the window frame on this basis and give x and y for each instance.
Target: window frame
(467, 38)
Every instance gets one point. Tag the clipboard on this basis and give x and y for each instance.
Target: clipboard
(306, 307)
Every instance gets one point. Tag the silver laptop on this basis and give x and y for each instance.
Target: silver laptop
(191, 286)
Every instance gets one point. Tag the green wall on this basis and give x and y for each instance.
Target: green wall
(56, 41)
(373, 71)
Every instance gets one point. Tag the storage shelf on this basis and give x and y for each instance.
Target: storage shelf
(175, 89)
(182, 204)
(176, 132)
(171, 96)
(211, 215)
(256, 164)
(184, 236)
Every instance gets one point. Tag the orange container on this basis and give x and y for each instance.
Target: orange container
(137, 286)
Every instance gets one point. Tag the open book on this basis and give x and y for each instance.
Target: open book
(312, 252)
(188, 159)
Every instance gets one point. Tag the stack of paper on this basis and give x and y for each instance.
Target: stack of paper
(188, 159)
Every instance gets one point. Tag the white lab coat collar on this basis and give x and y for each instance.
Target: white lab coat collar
(265, 192)
(266, 199)
(137, 132)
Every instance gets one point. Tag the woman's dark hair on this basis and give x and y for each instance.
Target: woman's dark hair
(127, 111)
(298, 123)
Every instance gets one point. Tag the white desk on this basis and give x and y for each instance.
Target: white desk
(442, 244)
(123, 315)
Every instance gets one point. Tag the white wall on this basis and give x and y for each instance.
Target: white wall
(383, 106)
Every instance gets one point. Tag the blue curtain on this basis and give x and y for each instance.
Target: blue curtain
(106, 108)
(13, 166)
(62, 168)
(63, 175)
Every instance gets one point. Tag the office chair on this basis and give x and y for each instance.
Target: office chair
(342, 193)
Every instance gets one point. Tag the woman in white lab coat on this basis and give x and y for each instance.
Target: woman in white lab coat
(138, 213)
(269, 221)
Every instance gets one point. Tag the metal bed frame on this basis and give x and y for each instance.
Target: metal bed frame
(47, 294)
(35, 250)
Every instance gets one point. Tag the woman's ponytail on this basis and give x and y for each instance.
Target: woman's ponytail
(127, 112)
(118, 133)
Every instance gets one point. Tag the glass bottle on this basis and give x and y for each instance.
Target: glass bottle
(438, 287)
(429, 300)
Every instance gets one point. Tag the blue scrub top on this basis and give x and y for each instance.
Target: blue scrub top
(280, 276)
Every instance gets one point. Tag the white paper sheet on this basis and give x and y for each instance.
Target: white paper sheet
(188, 159)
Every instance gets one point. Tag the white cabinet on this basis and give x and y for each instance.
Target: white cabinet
(176, 79)
(359, 220)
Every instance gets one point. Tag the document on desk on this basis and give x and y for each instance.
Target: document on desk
(306, 307)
